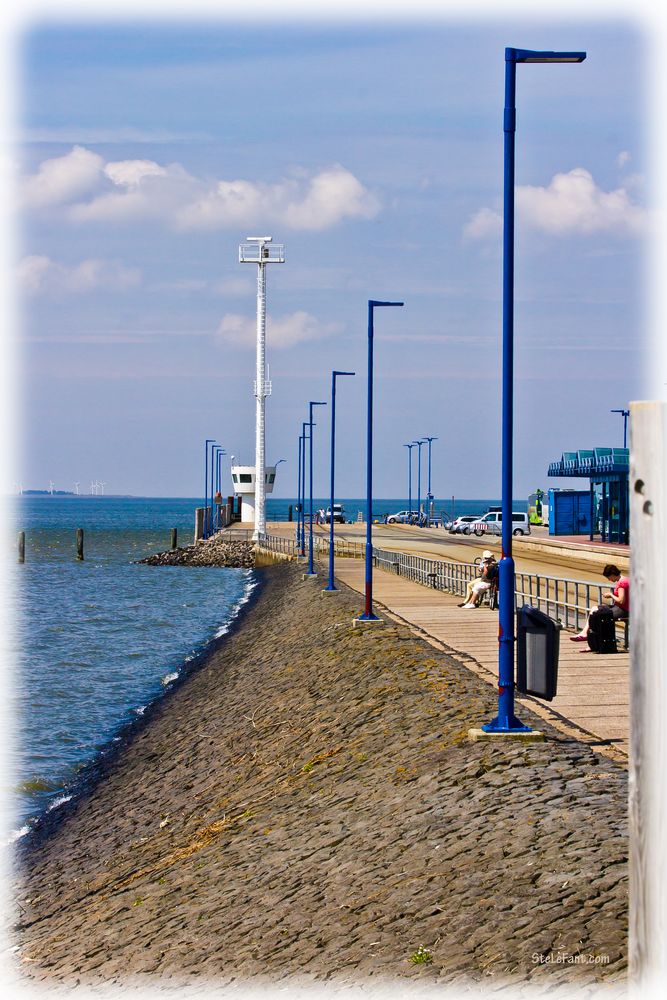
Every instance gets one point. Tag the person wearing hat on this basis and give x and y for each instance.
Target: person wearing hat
(488, 574)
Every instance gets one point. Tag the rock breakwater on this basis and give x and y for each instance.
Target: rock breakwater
(216, 551)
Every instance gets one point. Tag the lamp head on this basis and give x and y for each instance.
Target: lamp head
(530, 56)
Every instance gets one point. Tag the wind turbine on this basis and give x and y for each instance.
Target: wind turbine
(76, 487)
(51, 485)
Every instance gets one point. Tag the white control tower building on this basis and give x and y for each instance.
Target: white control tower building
(259, 250)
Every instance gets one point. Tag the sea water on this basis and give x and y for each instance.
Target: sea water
(96, 641)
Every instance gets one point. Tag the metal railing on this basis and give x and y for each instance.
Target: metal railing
(567, 600)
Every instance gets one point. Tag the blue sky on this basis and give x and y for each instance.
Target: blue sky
(149, 148)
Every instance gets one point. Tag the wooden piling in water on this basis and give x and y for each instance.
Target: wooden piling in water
(21, 546)
(174, 538)
(79, 544)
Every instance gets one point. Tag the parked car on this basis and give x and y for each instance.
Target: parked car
(491, 524)
(338, 514)
(461, 525)
(402, 517)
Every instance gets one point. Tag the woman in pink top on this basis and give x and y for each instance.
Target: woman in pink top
(619, 599)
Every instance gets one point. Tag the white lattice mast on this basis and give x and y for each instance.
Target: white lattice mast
(261, 251)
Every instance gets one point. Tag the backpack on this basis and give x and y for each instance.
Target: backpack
(602, 631)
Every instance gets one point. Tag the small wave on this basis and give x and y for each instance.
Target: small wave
(169, 678)
(60, 801)
(142, 708)
(17, 834)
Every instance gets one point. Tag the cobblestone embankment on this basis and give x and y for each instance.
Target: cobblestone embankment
(215, 551)
(307, 806)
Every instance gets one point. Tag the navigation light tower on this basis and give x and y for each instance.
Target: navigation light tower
(260, 250)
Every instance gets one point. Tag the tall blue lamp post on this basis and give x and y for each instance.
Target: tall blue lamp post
(311, 565)
(298, 495)
(429, 495)
(409, 447)
(419, 480)
(204, 528)
(625, 414)
(301, 541)
(368, 615)
(218, 473)
(215, 454)
(334, 375)
(506, 721)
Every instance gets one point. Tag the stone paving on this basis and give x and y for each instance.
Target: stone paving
(307, 808)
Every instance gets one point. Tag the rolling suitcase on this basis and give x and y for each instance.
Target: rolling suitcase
(602, 631)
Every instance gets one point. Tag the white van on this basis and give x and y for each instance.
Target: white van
(491, 524)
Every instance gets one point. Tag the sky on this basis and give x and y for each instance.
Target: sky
(147, 146)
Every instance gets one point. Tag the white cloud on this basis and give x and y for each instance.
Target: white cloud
(130, 173)
(312, 203)
(574, 204)
(571, 204)
(39, 275)
(623, 158)
(139, 190)
(60, 180)
(287, 331)
(483, 225)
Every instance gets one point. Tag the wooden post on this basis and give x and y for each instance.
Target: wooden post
(21, 546)
(648, 699)
(174, 538)
(79, 544)
(199, 523)
(289, 513)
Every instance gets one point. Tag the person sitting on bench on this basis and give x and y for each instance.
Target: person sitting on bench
(488, 575)
(619, 599)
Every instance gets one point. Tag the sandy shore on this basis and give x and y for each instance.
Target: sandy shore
(308, 805)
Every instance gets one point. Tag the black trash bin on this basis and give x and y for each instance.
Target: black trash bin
(538, 643)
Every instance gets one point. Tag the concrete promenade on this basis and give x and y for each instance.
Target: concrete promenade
(592, 703)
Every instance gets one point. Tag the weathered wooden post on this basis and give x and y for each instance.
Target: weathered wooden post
(648, 699)
(79, 543)
(21, 546)
(199, 523)
(289, 513)
(174, 538)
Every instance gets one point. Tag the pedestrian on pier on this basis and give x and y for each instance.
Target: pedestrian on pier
(488, 575)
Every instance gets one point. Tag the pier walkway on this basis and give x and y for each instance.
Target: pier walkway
(592, 703)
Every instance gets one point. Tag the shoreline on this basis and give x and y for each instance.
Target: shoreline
(307, 805)
(97, 768)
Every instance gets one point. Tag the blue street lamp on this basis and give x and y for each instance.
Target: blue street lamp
(429, 495)
(298, 495)
(334, 376)
(311, 567)
(368, 615)
(625, 414)
(218, 478)
(506, 721)
(204, 527)
(301, 540)
(419, 480)
(409, 447)
(215, 452)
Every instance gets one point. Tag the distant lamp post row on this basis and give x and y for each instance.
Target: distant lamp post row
(429, 496)
(368, 615)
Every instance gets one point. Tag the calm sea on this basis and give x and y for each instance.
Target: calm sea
(96, 641)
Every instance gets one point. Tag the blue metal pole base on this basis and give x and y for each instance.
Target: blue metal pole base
(506, 725)
(367, 618)
(330, 588)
